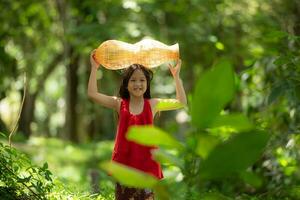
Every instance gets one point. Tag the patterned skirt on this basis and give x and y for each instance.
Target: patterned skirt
(128, 193)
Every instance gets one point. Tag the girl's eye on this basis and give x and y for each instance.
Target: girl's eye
(132, 80)
(142, 80)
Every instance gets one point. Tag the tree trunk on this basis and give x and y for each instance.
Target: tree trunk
(3, 127)
(27, 114)
(71, 98)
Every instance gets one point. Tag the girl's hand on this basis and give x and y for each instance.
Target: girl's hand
(175, 70)
(94, 63)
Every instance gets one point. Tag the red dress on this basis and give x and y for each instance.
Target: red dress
(130, 153)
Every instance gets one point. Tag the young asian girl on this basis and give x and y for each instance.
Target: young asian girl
(134, 106)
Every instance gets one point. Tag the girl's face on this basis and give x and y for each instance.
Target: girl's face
(137, 84)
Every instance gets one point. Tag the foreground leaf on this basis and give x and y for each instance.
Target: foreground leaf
(235, 155)
(206, 143)
(213, 91)
(237, 121)
(168, 104)
(251, 178)
(164, 157)
(128, 176)
(150, 135)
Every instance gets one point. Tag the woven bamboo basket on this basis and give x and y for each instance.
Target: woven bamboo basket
(115, 54)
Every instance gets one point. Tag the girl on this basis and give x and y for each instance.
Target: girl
(134, 107)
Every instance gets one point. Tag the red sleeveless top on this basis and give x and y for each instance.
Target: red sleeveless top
(130, 153)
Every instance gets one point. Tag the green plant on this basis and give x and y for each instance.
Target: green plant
(19, 179)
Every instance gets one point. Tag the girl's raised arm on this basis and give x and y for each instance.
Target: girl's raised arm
(180, 92)
(105, 100)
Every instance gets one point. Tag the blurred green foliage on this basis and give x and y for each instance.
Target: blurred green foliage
(20, 179)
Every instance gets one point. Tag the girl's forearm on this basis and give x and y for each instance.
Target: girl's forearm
(92, 85)
(180, 92)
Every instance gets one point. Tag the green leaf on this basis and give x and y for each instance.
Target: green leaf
(191, 142)
(150, 135)
(276, 92)
(213, 91)
(168, 104)
(48, 175)
(25, 180)
(3, 134)
(294, 191)
(129, 176)
(214, 196)
(206, 143)
(236, 121)
(164, 157)
(45, 166)
(235, 155)
(161, 192)
(281, 60)
(251, 179)
(297, 92)
(276, 34)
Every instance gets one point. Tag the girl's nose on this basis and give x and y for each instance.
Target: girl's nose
(138, 83)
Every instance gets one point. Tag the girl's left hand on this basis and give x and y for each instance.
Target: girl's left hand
(175, 70)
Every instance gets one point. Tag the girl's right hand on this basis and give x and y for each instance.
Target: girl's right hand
(94, 63)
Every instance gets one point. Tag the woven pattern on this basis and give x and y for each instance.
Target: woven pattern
(114, 54)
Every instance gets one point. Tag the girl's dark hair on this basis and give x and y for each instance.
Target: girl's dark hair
(123, 92)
